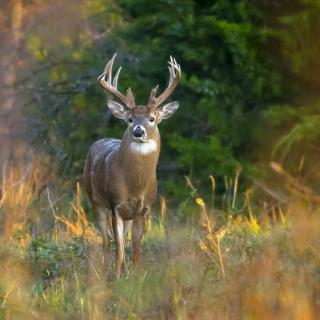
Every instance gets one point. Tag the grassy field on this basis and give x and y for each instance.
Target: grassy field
(244, 263)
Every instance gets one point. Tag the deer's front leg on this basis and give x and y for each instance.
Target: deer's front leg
(138, 228)
(117, 225)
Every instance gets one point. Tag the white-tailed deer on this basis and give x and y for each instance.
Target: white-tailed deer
(120, 175)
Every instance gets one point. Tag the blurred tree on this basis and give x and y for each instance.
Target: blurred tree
(11, 18)
(294, 124)
(242, 63)
(68, 110)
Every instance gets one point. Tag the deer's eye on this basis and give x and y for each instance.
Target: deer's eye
(151, 119)
(130, 120)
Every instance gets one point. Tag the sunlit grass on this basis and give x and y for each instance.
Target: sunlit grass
(239, 267)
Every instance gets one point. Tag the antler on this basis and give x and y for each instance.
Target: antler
(175, 76)
(105, 80)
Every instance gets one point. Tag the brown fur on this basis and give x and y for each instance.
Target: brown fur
(122, 184)
(120, 175)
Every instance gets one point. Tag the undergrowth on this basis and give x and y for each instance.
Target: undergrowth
(242, 263)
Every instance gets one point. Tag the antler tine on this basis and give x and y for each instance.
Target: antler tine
(171, 71)
(109, 70)
(130, 97)
(105, 80)
(174, 78)
(152, 96)
(171, 74)
(115, 79)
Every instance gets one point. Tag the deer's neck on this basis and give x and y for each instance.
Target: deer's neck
(139, 158)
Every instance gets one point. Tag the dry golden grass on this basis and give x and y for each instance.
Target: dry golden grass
(237, 267)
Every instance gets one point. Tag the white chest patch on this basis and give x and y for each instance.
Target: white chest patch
(144, 148)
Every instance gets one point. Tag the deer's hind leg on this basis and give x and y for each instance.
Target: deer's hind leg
(127, 224)
(102, 220)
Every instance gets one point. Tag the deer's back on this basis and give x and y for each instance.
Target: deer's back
(98, 161)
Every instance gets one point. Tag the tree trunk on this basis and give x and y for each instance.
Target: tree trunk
(11, 39)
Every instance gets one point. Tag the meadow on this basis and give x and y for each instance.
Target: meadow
(242, 263)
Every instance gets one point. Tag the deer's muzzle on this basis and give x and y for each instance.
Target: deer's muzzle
(139, 133)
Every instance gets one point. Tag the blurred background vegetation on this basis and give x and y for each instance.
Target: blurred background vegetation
(249, 91)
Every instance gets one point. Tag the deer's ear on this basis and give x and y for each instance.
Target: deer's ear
(117, 109)
(168, 110)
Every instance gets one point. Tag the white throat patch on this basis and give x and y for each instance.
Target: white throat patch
(144, 148)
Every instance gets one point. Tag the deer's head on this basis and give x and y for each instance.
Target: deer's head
(142, 120)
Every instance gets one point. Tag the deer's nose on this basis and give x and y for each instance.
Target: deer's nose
(139, 132)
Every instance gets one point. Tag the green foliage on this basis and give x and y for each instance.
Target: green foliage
(246, 68)
(294, 123)
(226, 81)
(53, 258)
(298, 132)
(67, 109)
(307, 131)
(298, 34)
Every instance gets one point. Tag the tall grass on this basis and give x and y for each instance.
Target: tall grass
(248, 265)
